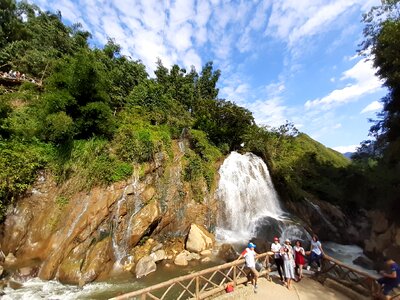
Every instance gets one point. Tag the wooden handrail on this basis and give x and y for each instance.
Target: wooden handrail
(360, 272)
(358, 280)
(196, 277)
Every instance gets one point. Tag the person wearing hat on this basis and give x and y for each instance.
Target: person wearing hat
(249, 255)
(288, 263)
(276, 248)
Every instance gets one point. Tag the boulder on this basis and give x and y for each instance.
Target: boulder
(10, 259)
(147, 217)
(227, 253)
(145, 265)
(379, 222)
(158, 255)
(194, 256)
(206, 253)
(181, 259)
(364, 262)
(14, 285)
(199, 239)
(28, 271)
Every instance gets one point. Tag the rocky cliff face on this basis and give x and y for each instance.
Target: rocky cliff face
(83, 237)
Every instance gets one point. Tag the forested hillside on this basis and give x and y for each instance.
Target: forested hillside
(88, 114)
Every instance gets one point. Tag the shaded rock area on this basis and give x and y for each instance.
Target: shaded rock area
(384, 238)
(89, 234)
(330, 223)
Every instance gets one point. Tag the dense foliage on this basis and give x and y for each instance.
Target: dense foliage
(379, 158)
(93, 115)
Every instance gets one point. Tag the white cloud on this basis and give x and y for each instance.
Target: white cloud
(362, 74)
(269, 112)
(344, 149)
(374, 106)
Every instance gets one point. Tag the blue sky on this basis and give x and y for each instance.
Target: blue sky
(282, 59)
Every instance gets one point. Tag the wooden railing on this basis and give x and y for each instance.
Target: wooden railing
(199, 285)
(357, 280)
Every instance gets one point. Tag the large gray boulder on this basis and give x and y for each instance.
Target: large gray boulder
(144, 266)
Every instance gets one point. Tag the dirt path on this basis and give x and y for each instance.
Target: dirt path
(306, 289)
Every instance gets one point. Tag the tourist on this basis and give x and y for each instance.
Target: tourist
(276, 248)
(299, 254)
(316, 253)
(249, 255)
(390, 279)
(288, 263)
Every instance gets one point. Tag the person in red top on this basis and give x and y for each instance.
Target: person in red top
(299, 254)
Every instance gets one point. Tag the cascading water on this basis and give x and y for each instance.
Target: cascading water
(249, 203)
(120, 241)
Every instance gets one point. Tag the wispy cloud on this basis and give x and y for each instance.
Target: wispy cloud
(374, 106)
(362, 82)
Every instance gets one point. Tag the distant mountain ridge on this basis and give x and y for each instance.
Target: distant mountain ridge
(348, 154)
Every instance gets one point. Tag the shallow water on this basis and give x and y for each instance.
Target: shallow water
(35, 288)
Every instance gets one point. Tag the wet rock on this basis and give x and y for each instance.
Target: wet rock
(148, 194)
(206, 259)
(194, 256)
(158, 255)
(145, 265)
(97, 260)
(364, 262)
(157, 247)
(28, 271)
(227, 253)
(10, 259)
(206, 253)
(130, 190)
(182, 258)
(199, 239)
(14, 285)
(142, 221)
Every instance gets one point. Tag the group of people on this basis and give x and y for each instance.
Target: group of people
(290, 259)
(287, 259)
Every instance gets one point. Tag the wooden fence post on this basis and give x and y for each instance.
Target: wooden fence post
(197, 288)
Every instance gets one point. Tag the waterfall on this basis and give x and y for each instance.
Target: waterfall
(121, 231)
(249, 203)
(247, 196)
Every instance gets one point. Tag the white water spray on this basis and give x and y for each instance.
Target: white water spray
(247, 195)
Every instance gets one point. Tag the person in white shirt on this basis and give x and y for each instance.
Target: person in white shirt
(249, 255)
(276, 248)
(316, 253)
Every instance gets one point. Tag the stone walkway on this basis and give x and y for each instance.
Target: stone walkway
(306, 289)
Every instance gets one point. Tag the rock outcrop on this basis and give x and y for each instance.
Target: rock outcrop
(81, 238)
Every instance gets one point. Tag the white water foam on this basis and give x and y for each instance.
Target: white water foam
(247, 195)
(36, 289)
